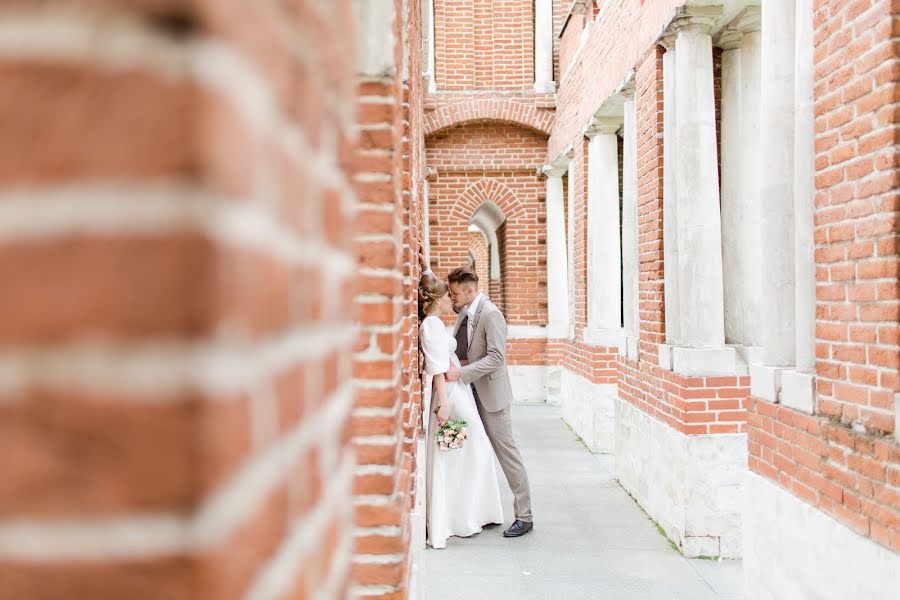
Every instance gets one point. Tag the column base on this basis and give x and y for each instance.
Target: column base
(798, 391)
(765, 382)
(628, 348)
(605, 337)
(695, 362)
(545, 87)
(746, 356)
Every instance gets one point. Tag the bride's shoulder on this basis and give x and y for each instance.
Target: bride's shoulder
(432, 325)
(432, 321)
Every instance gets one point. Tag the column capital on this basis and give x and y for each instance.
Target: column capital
(553, 171)
(598, 125)
(697, 18)
(747, 21)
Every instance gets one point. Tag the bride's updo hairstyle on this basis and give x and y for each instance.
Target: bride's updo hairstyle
(431, 289)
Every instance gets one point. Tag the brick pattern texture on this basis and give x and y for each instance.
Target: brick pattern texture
(484, 45)
(386, 424)
(176, 267)
(852, 474)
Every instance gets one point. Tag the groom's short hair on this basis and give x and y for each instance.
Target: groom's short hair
(462, 275)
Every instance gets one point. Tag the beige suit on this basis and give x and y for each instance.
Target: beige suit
(486, 372)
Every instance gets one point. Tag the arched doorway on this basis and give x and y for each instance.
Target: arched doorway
(486, 226)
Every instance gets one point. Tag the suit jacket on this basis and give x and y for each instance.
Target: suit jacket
(487, 357)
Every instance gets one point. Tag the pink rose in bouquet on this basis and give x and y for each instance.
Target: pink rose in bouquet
(451, 435)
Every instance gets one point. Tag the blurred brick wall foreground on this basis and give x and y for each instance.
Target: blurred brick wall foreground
(178, 268)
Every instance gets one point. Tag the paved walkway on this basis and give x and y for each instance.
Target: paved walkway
(591, 540)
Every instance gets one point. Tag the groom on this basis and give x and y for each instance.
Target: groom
(480, 333)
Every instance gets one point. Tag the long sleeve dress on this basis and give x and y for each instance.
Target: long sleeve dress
(462, 492)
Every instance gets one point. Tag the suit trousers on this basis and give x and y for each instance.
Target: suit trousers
(498, 426)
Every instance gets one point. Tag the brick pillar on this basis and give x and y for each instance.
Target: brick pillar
(389, 183)
(175, 261)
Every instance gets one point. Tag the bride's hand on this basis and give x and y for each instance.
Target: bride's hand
(443, 413)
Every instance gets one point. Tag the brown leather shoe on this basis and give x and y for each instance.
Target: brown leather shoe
(518, 529)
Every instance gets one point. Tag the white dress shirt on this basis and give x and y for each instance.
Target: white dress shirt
(471, 310)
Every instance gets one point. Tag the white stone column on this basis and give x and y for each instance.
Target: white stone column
(777, 175)
(798, 389)
(543, 46)
(557, 261)
(734, 250)
(805, 188)
(570, 245)
(428, 27)
(697, 180)
(630, 259)
(778, 239)
(751, 234)
(701, 349)
(670, 203)
(604, 254)
(741, 239)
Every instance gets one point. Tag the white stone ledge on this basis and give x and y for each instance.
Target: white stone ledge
(526, 332)
(604, 337)
(698, 362)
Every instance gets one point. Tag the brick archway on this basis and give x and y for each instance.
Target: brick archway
(483, 190)
(505, 111)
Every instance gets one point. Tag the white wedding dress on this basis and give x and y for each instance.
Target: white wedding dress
(462, 489)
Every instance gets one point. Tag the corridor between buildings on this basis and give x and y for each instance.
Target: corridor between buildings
(210, 210)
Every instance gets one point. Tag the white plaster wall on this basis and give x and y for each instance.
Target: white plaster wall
(690, 485)
(793, 550)
(529, 383)
(590, 410)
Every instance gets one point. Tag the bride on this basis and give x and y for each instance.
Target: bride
(462, 489)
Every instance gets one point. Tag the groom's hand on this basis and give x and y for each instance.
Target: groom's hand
(452, 373)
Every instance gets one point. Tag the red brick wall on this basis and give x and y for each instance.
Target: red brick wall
(484, 45)
(175, 281)
(857, 213)
(389, 179)
(477, 162)
(850, 473)
(479, 251)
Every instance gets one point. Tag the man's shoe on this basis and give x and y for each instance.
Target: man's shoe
(518, 529)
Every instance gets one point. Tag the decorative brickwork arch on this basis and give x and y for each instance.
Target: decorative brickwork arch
(496, 109)
(484, 190)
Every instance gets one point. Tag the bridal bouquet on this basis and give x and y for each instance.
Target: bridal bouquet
(451, 435)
